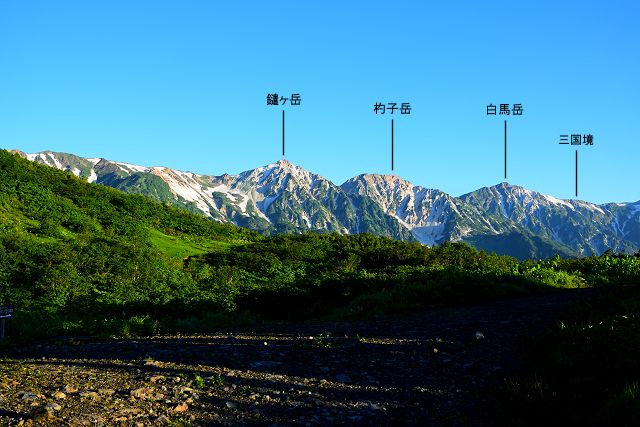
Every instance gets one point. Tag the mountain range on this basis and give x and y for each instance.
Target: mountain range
(282, 197)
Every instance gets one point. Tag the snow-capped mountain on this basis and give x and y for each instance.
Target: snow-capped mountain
(429, 214)
(584, 227)
(282, 197)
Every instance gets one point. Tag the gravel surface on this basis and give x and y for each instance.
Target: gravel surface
(436, 367)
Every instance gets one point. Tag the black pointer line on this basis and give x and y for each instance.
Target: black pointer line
(391, 144)
(505, 149)
(576, 173)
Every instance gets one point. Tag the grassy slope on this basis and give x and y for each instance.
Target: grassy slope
(180, 247)
(69, 248)
(32, 195)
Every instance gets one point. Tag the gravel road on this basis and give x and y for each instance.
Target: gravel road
(436, 367)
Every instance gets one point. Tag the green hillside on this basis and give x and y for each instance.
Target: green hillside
(520, 244)
(72, 247)
(85, 258)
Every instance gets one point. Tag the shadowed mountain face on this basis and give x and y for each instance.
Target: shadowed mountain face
(282, 197)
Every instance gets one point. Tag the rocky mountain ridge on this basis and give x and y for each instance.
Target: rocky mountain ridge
(283, 197)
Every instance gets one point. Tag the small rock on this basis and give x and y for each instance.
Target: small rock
(106, 392)
(70, 388)
(187, 390)
(27, 396)
(181, 408)
(42, 413)
(157, 378)
(141, 393)
(479, 335)
(230, 405)
(59, 395)
(89, 395)
(53, 406)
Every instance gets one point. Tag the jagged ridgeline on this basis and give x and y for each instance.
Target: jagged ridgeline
(282, 198)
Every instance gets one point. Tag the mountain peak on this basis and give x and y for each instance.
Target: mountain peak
(283, 165)
(386, 182)
(504, 188)
(517, 190)
(18, 152)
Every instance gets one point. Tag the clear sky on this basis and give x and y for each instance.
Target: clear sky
(184, 84)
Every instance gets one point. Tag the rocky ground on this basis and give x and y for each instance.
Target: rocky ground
(431, 368)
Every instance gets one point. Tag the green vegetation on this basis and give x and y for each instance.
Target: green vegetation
(217, 380)
(521, 244)
(180, 247)
(324, 340)
(309, 275)
(585, 370)
(80, 258)
(198, 381)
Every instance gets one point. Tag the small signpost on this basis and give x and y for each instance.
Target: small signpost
(6, 312)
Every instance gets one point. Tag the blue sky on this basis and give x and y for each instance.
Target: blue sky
(184, 83)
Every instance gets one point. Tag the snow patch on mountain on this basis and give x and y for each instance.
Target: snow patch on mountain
(589, 206)
(558, 201)
(430, 234)
(184, 185)
(127, 167)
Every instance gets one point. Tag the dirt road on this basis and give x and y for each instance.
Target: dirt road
(431, 368)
